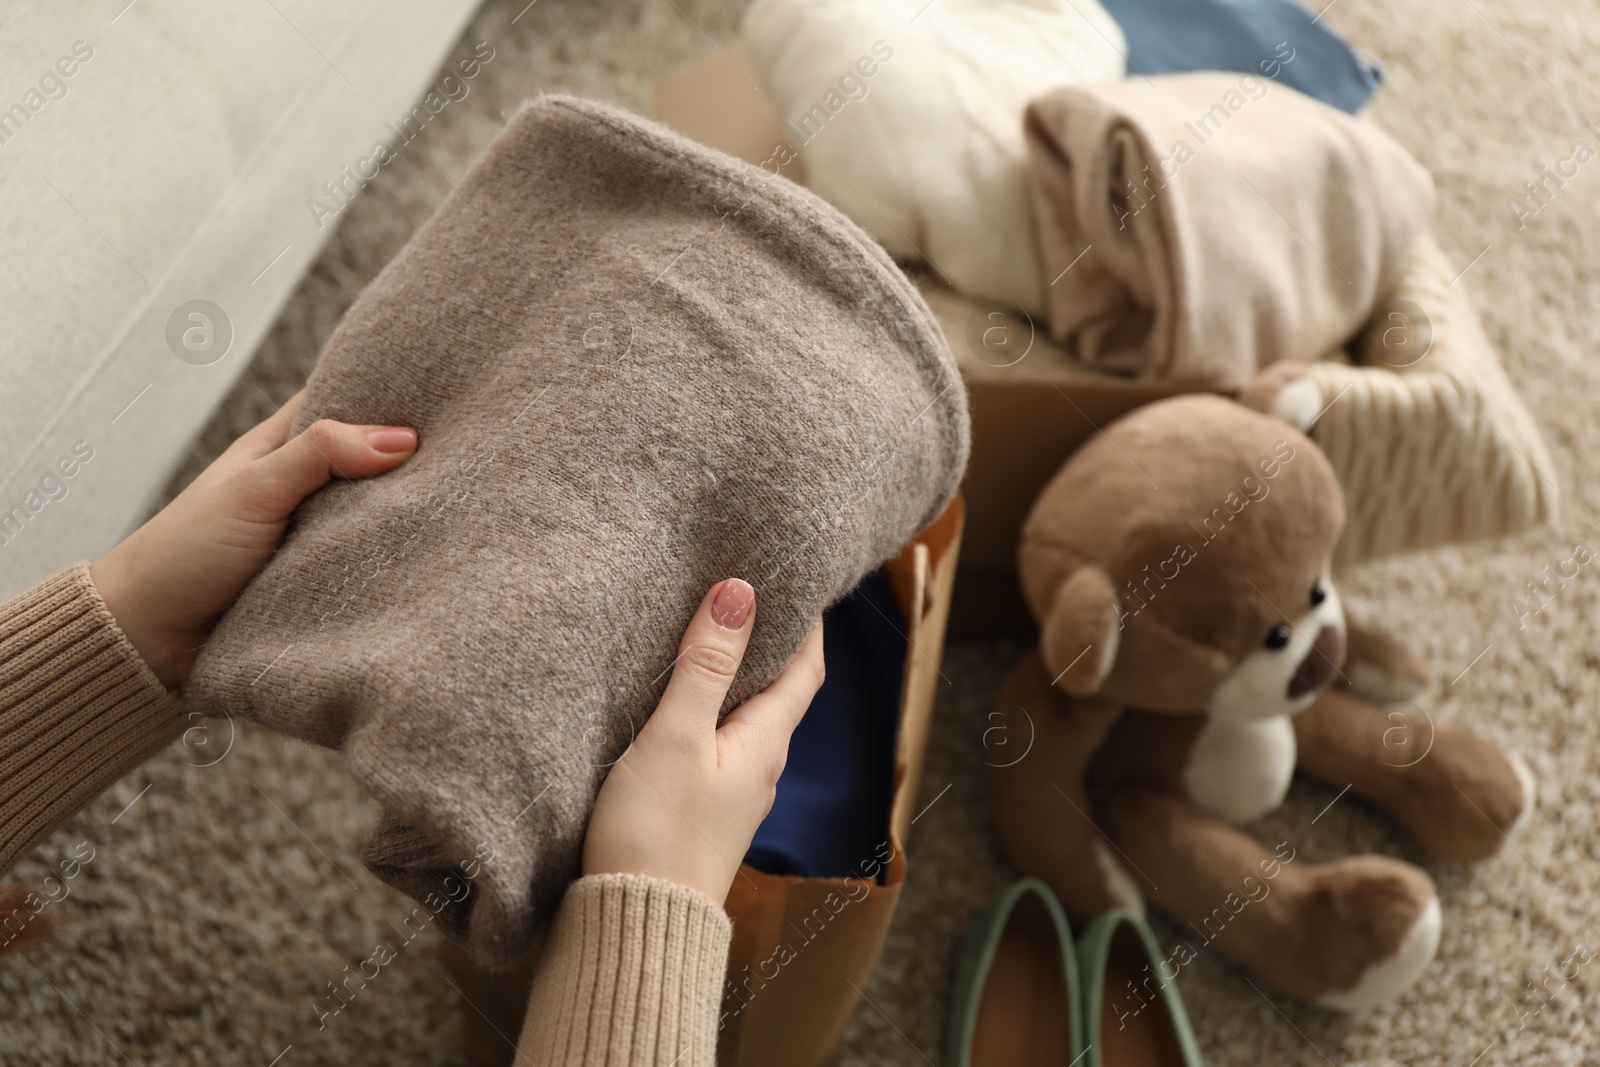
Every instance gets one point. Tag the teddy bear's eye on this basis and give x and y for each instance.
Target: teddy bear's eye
(1278, 636)
(1319, 593)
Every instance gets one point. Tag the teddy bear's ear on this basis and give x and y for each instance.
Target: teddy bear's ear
(1081, 634)
(1285, 389)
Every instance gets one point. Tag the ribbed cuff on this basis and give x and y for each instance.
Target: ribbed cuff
(632, 975)
(79, 708)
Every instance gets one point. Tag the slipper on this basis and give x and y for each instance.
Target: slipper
(1132, 1012)
(1017, 989)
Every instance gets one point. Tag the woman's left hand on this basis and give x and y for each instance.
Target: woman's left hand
(686, 798)
(170, 579)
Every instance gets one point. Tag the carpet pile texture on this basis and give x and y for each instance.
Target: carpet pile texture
(226, 889)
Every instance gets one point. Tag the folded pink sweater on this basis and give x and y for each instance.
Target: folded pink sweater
(1202, 226)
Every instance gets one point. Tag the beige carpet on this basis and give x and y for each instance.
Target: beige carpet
(223, 898)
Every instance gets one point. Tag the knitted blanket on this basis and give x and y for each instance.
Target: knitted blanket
(1203, 226)
(637, 367)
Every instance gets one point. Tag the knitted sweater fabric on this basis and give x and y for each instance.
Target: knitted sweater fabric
(1429, 438)
(637, 367)
(632, 971)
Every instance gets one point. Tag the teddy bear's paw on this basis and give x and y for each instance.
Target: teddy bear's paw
(1286, 390)
(1377, 683)
(1382, 668)
(1298, 403)
(1482, 798)
(1387, 979)
(1118, 885)
(1355, 933)
(1530, 793)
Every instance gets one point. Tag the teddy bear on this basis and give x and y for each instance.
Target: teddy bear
(1193, 654)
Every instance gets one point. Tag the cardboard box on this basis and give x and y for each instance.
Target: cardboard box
(802, 947)
(1031, 404)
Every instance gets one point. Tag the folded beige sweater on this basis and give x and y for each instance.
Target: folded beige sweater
(632, 972)
(1203, 226)
(637, 367)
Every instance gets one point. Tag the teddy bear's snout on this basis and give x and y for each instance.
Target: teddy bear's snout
(1320, 664)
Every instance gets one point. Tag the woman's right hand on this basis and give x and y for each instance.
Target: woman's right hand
(684, 801)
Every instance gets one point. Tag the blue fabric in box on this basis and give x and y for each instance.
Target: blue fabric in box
(832, 808)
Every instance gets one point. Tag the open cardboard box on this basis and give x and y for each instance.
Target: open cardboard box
(803, 948)
(1031, 404)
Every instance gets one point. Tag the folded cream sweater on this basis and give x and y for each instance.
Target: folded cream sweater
(634, 966)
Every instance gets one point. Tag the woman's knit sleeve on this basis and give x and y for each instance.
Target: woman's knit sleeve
(79, 708)
(632, 976)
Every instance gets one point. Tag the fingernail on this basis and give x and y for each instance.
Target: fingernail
(733, 603)
(393, 439)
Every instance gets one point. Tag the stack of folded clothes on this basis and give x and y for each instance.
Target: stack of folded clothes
(1178, 190)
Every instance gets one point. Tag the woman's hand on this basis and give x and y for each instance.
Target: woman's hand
(167, 583)
(684, 801)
